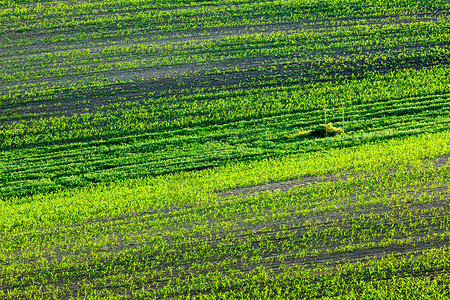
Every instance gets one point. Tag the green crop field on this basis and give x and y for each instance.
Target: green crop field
(172, 149)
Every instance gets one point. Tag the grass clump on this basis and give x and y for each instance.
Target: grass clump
(300, 134)
(321, 130)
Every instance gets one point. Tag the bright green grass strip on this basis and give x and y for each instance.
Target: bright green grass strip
(197, 188)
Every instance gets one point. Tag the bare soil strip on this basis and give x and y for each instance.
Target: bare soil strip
(288, 184)
(281, 186)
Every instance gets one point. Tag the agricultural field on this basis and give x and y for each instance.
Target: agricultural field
(167, 149)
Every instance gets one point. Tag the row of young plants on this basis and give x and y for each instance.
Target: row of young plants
(18, 129)
(73, 132)
(271, 101)
(356, 63)
(383, 219)
(217, 15)
(53, 167)
(25, 11)
(65, 44)
(384, 29)
(136, 56)
(325, 69)
(231, 176)
(170, 113)
(369, 36)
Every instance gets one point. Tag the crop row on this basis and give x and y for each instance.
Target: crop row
(138, 56)
(176, 113)
(53, 167)
(341, 37)
(219, 15)
(145, 148)
(276, 74)
(386, 219)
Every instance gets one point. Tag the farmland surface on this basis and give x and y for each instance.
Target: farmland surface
(149, 149)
